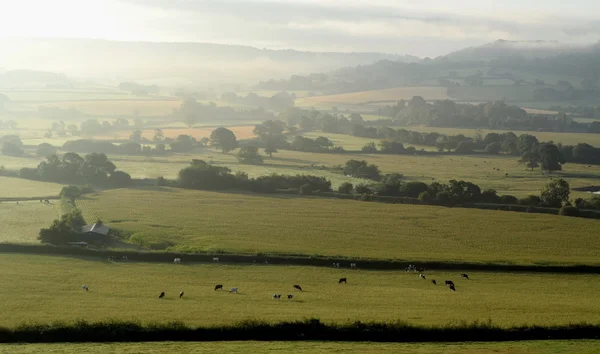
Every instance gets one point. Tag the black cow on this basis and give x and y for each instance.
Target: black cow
(181, 294)
(434, 282)
(298, 287)
(161, 295)
(218, 287)
(449, 282)
(343, 280)
(451, 286)
(464, 275)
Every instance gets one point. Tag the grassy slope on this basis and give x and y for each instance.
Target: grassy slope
(289, 224)
(532, 347)
(45, 289)
(22, 222)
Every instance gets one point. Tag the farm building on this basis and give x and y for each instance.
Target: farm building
(97, 228)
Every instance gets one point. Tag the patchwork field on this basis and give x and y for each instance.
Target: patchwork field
(366, 97)
(21, 223)
(198, 220)
(47, 288)
(124, 107)
(478, 169)
(525, 347)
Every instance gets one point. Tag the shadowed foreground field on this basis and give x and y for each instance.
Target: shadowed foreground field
(199, 220)
(528, 347)
(45, 289)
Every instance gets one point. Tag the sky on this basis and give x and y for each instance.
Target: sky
(417, 27)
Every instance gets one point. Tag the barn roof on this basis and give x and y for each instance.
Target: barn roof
(97, 228)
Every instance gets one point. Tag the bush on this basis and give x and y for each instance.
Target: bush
(362, 189)
(508, 199)
(369, 148)
(345, 188)
(568, 210)
(531, 200)
(493, 148)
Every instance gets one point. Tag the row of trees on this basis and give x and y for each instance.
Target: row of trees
(202, 175)
(94, 169)
(278, 102)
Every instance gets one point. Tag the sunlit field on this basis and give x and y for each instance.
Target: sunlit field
(128, 107)
(22, 188)
(485, 171)
(198, 220)
(47, 288)
(21, 222)
(525, 347)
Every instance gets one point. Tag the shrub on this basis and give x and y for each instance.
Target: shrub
(531, 200)
(345, 188)
(568, 210)
(369, 148)
(362, 189)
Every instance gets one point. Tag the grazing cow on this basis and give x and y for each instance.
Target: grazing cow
(161, 295)
(124, 258)
(464, 275)
(46, 201)
(343, 280)
(506, 174)
(352, 265)
(451, 287)
(449, 282)
(336, 265)
(434, 282)
(276, 296)
(85, 287)
(233, 290)
(218, 287)
(298, 287)
(266, 262)
(216, 259)
(181, 294)
(177, 260)
(290, 296)
(422, 276)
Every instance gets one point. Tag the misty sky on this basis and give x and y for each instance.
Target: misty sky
(418, 27)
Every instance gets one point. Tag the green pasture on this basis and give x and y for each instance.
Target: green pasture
(22, 188)
(525, 347)
(281, 224)
(47, 288)
(21, 223)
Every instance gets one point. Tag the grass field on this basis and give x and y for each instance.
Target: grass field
(365, 97)
(526, 347)
(21, 223)
(126, 107)
(198, 220)
(22, 188)
(478, 169)
(46, 288)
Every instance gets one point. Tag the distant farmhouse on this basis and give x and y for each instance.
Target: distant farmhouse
(95, 234)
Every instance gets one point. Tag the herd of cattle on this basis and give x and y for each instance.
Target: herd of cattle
(234, 290)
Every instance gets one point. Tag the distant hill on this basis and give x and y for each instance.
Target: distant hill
(176, 63)
(513, 71)
(525, 49)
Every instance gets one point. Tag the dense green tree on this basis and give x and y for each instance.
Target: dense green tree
(531, 159)
(493, 148)
(224, 139)
(360, 169)
(527, 143)
(555, 193)
(345, 188)
(45, 150)
(369, 148)
(550, 158)
(249, 155)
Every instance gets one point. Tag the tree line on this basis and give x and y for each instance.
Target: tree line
(94, 169)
